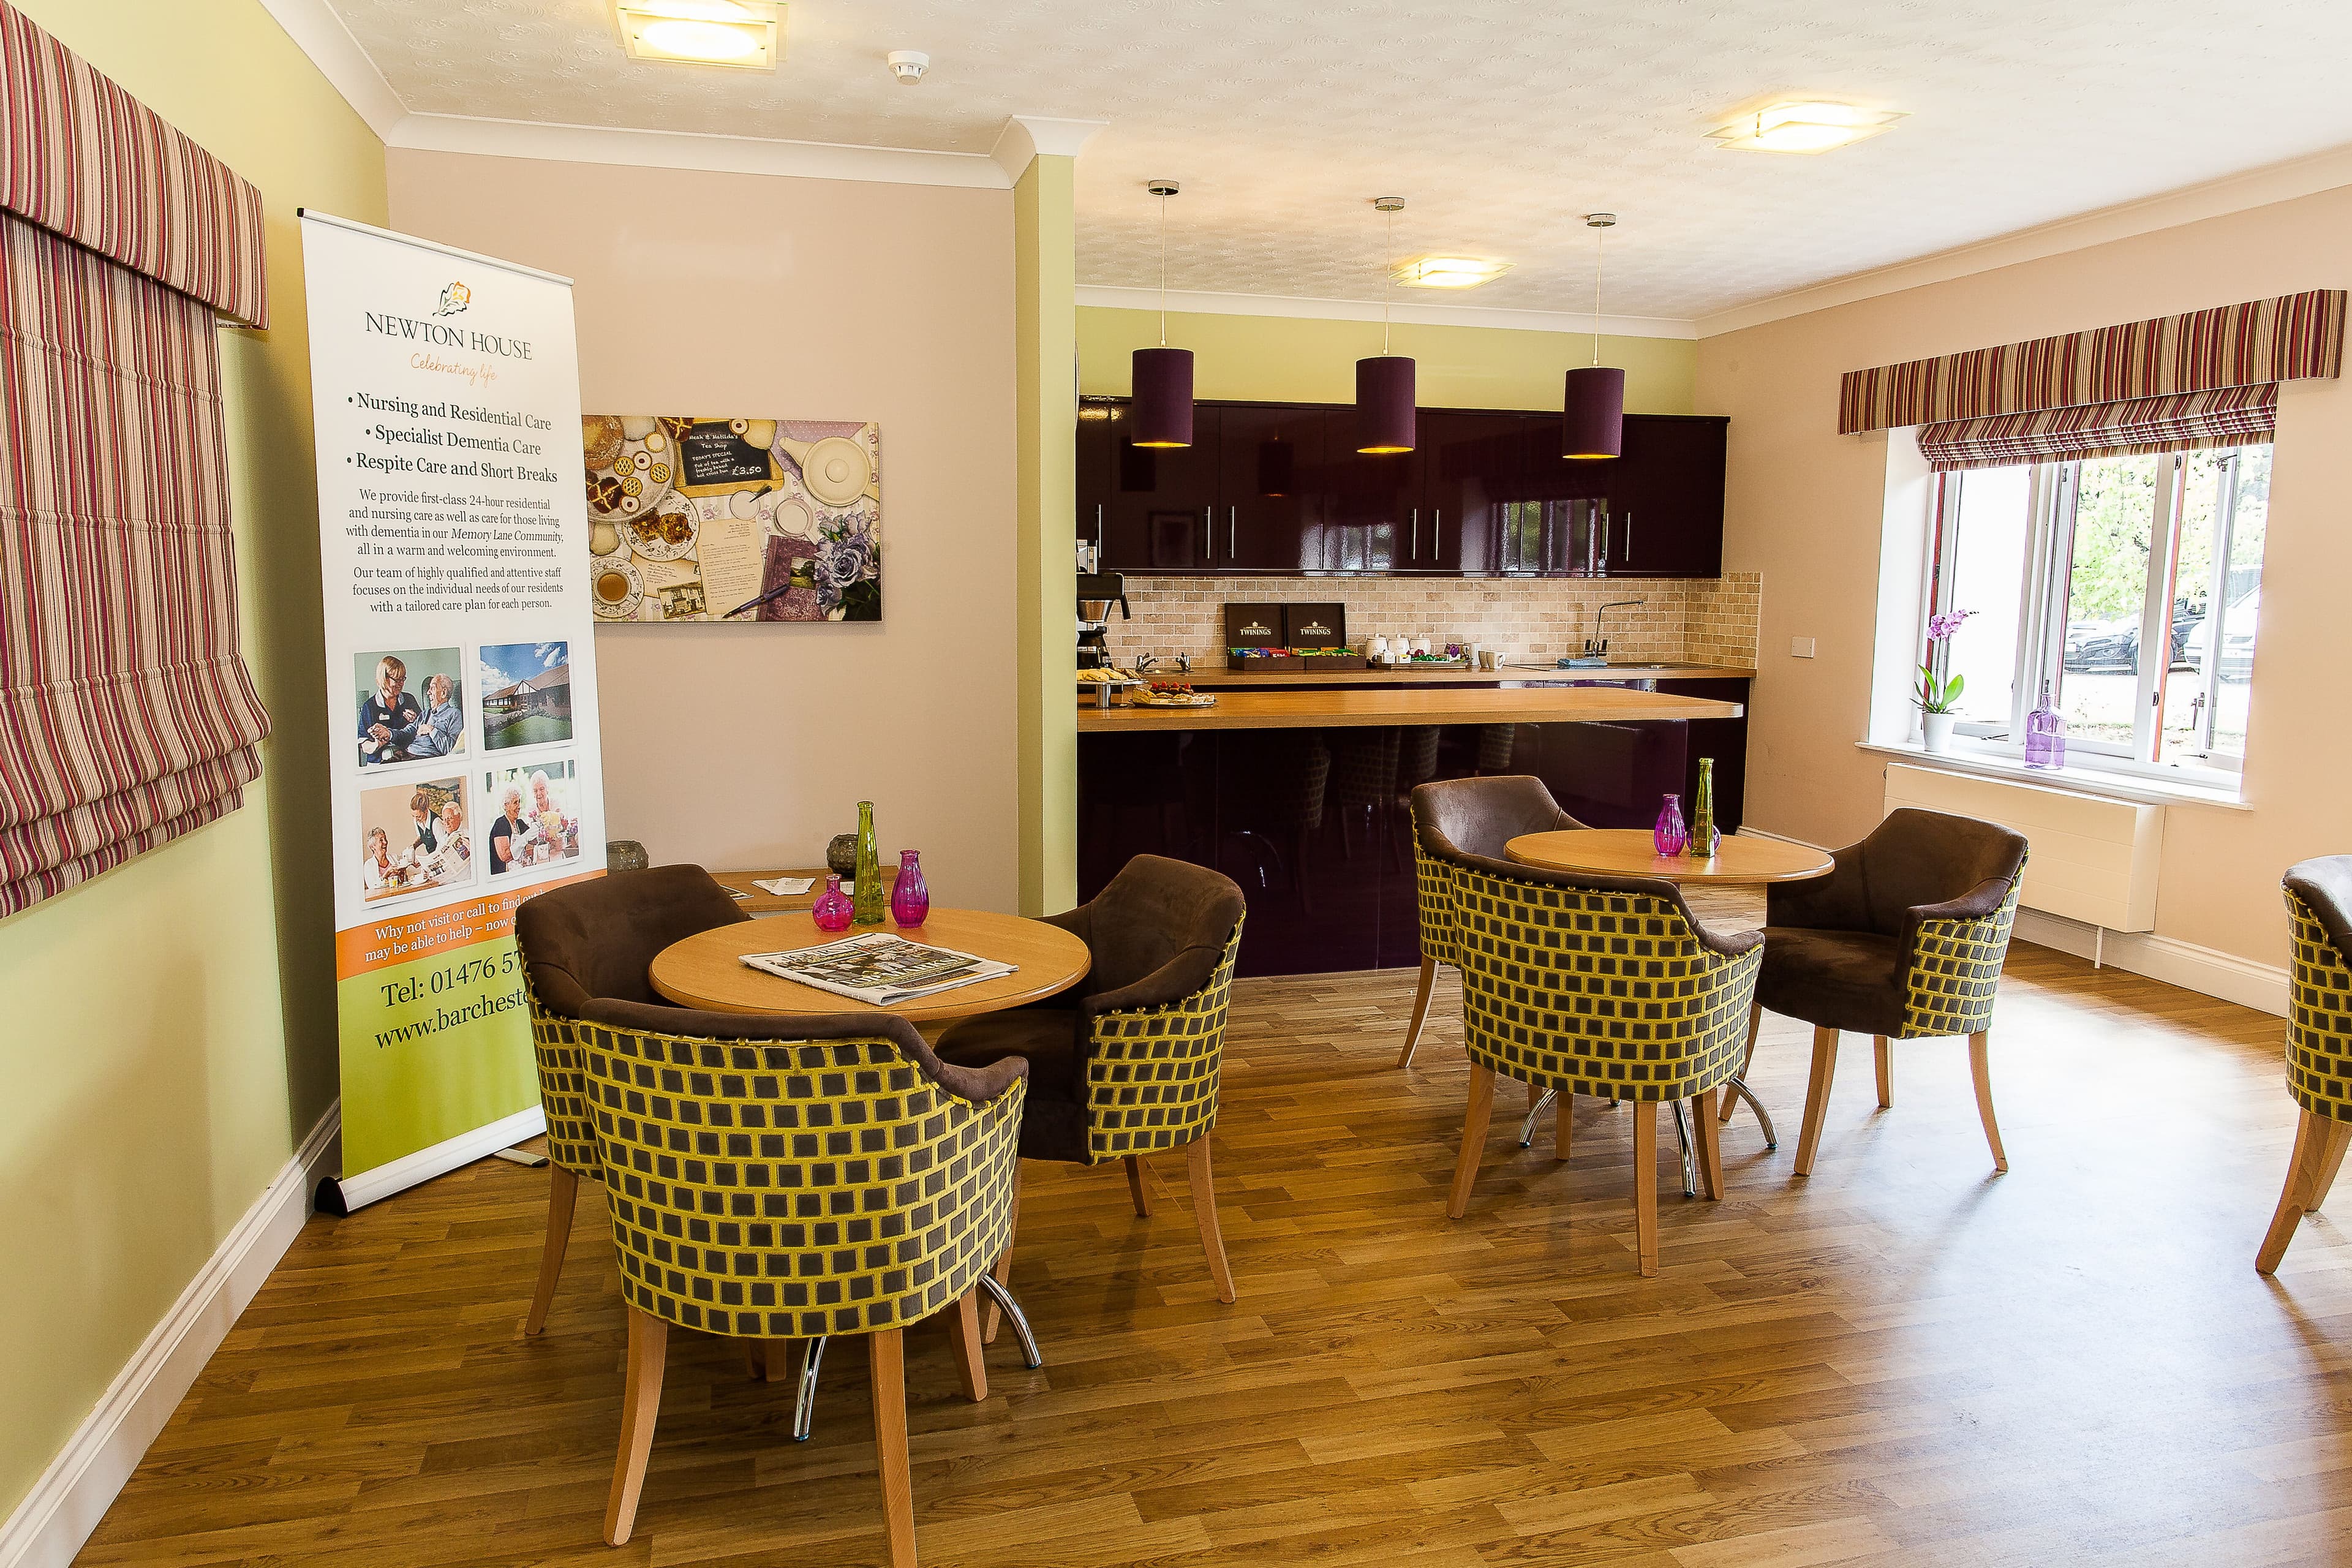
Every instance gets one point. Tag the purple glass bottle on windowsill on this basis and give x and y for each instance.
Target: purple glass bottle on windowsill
(2045, 734)
(1670, 836)
(910, 899)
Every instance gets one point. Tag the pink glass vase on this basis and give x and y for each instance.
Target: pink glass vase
(910, 901)
(833, 910)
(1670, 836)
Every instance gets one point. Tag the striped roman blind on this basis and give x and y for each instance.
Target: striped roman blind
(2255, 345)
(127, 714)
(2230, 417)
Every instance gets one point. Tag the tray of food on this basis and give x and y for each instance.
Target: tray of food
(1169, 694)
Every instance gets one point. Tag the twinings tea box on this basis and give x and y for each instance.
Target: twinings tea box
(1315, 625)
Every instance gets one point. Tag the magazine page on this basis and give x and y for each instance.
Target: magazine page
(878, 968)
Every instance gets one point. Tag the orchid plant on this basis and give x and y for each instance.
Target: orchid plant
(1940, 693)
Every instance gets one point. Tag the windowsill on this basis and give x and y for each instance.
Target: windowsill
(2081, 780)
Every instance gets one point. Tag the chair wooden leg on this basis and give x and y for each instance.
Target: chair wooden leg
(992, 1316)
(1883, 1057)
(1420, 1011)
(1474, 1139)
(1204, 1212)
(1981, 1064)
(640, 1404)
(1137, 1189)
(1711, 1150)
(963, 1333)
(889, 1377)
(1535, 1095)
(1645, 1184)
(1561, 1128)
(563, 1194)
(1817, 1098)
(2319, 1144)
(1755, 1024)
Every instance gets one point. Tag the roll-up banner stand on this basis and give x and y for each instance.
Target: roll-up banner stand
(462, 748)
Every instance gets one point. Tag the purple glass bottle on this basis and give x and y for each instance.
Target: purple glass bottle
(910, 901)
(2045, 734)
(1670, 836)
(833, 909)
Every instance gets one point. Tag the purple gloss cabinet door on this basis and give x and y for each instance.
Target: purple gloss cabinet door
(910, 901)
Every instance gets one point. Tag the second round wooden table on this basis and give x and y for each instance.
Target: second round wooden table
(707, 970)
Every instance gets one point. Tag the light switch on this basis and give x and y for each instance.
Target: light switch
(1800, 648)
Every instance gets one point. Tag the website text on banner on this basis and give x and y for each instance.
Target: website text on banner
(461, 679)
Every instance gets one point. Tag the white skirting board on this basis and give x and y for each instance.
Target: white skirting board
(2207, 971)
(81, 1483)
(406, 1172)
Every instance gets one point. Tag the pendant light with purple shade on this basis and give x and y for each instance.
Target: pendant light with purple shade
(1385, 384)
(1160, 415)
(1593, 411)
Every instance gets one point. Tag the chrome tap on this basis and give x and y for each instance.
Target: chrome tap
(1597, 644)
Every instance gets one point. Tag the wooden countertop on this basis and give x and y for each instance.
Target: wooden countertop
(1223, 679)
(1352, 709)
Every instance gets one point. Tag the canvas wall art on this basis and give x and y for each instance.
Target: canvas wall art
(733, 519)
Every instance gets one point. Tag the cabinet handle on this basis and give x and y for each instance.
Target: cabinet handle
(1098, 533)
(1416, 535)
(1209, 525)
(1628, 539)
(1437, 535)
(1232, 533)
(1604, 543)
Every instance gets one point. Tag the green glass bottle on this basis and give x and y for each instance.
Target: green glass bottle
(869, 898)
(1706, 838)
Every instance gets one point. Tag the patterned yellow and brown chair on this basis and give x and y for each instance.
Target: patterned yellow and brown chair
(1603, 986)
(1126, 1066)
(1904, 941)
(781, 1178)
(587, 939)
(1452, 820)
(2318, 1042)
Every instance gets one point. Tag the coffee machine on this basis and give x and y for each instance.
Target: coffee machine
(1098, 592)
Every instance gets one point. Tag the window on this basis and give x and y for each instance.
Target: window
(2128, 587)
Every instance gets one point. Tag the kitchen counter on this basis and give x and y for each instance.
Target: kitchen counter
(1345, 708)
(1223, 679)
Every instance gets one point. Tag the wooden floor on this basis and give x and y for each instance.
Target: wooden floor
(1903, 1359)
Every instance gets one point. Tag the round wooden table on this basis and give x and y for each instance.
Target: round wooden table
(1725, 892)
(707, 970)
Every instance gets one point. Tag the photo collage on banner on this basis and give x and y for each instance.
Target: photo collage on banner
(464, 765)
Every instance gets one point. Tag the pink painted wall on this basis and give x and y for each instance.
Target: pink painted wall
(766, 296)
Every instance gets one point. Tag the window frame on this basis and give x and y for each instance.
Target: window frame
(2046, 589)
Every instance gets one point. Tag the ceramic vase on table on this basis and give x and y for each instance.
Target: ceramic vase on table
(1936, 730)
(910, 899)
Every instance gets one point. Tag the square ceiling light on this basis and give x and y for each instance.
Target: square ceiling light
(1450, 272)
(745, 34)
(1803, 126)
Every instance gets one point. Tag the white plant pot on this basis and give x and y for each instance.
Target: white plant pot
(1936, 730)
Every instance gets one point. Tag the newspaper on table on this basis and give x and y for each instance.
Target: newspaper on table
(879, 968)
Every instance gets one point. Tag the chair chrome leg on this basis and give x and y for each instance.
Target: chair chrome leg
(1682, 1137)
(1003, 1298)
(1527, 1127)
(1763, 1117)
(804, 1402)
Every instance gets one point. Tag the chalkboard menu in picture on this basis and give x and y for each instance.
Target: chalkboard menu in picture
(733, 519)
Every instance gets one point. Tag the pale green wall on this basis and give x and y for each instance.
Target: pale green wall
(1044, 280)
(1285, 359)
(167, 1050)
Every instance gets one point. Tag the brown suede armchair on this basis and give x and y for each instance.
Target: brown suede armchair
(1903, 941)
(1126, 1064)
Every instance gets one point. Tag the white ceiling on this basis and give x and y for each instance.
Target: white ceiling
(1501, 121)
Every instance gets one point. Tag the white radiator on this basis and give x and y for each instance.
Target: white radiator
(2094, 859)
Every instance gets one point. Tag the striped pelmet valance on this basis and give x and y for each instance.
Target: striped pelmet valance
(2230, 417)
(2258, 344)
(82, 158)
(127, 714)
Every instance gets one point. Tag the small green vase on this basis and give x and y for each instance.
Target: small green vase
(869, 898)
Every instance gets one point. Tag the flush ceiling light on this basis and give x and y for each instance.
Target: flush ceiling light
(1803, 127)
(743, 33)
(1160, 413)
(1385, 384)
(1450, 272)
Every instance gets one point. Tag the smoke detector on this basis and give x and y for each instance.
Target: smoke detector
(909, 65)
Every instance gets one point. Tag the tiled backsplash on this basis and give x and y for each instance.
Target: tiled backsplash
(1679, 620)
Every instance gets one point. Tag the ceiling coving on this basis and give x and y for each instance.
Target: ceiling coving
(1503, 121)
